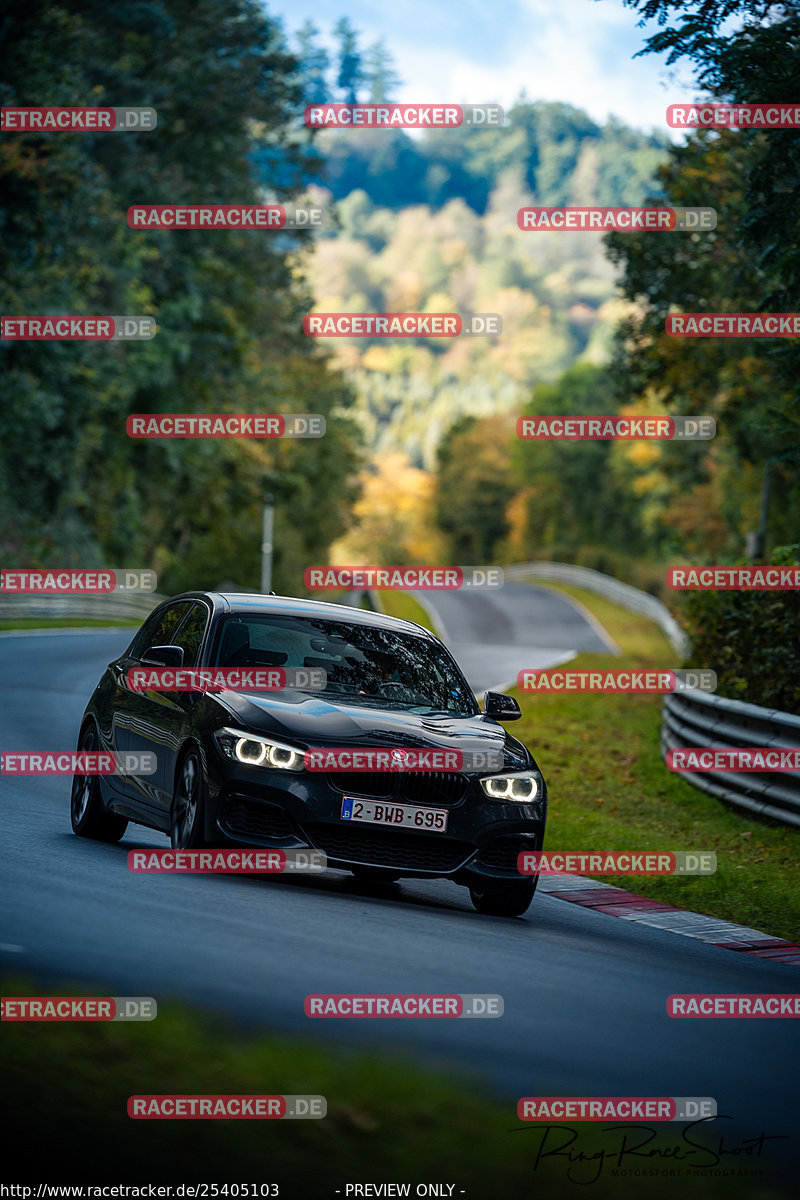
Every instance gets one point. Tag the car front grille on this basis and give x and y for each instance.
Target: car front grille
(501, 853)
(390, 848)
(246, 818)
(413, 787)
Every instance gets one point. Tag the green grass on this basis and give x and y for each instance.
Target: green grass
(336, 596)
(66, 1087)
(402, 605)
(66, 623)
(610, 790)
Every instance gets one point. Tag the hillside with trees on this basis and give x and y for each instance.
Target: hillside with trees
(583, 320)
(416, 223)
(410, 251)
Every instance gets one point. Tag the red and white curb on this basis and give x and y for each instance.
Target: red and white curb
(616, 902)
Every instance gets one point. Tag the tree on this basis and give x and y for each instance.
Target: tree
(751, 262)
(392, 517)
(473, 489)
(379, 74)
(548, 142)
(350, 74)
(229, 304)
(313, 65)
(577, 495)
(742, 49)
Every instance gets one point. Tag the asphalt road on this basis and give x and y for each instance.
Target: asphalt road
(584, 992)
(497, 632)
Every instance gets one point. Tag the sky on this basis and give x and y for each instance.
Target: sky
(580, 52)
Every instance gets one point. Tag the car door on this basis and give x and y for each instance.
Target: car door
(171, 714)
(139, 716)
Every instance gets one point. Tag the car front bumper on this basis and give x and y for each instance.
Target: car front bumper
(271, 808)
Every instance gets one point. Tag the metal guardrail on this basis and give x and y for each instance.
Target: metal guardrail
(115, 606)
(694, 718)
(623, 594)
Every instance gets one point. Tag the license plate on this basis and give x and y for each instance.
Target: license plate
(400, 816)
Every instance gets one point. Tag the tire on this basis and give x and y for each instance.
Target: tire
(89, 818)
(373, 875)
(503, 899)
(188, 809)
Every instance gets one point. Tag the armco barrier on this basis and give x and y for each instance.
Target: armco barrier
(605, 585)
(694, 718)
(116, 606)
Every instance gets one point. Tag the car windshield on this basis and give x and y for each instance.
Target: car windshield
(364, 664)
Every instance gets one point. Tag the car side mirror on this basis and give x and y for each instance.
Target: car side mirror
(501, 707)
(164, 656)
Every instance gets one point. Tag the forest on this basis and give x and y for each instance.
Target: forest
(414, 223)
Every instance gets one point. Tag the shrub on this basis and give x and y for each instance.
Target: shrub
(751, 640)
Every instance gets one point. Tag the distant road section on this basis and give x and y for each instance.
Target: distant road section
(496, 632)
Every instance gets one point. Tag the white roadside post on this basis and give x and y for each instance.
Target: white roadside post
(266, 544)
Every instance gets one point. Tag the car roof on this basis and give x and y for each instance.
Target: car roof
(293, 606)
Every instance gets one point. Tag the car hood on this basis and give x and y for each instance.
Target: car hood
(314, 721)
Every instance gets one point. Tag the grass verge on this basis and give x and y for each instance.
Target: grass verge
(339, 596)
(400, 604)
(66, 1086)
(610, 790)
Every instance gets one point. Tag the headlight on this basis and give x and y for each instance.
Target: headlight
(257, 751)
(522, 786)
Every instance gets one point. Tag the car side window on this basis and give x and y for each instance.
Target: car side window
(190, 635)
(159, 629)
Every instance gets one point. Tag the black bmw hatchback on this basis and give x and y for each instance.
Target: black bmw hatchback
(232, 768)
